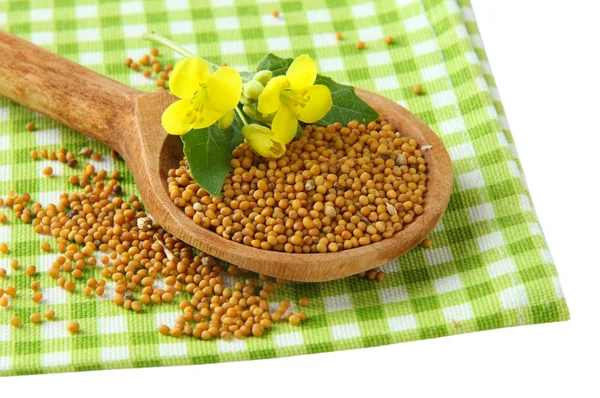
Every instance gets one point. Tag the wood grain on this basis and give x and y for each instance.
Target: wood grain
(129, 121)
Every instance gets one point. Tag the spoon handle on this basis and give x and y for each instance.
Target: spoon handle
(71, 94)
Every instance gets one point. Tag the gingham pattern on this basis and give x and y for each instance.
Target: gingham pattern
(489, 266)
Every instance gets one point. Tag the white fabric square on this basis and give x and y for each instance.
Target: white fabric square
(347, 331)
(112, 324)
(86, 11)
(514, 297)
(379, 58)
(363, 10)
(45, 262)
(138, 79)
(404, 3)
(321, 15)
(270, 20)
(535, 228)
(172, 350)
(165, 318)
(416, 23)
(181, 27)
(444, 98)
(502, 267)
(331, 64)
(91, 58)
(461, 32)
(434, 72)
(5, 262)
(232, 47)
(132, 7)
(5, 362)
(134, 30)
(49, 197)
(387, 83)
(47, 137)
(173, 5)
(425, 47)
(5, 332)
(462, 151)
(490, 109)
(447, 284)
(393, 295)
(473, 179)
(494, 240)
(482, 212)
(557, 287)
(472, 57)
(477, 41)
(514, 169)
(525, 203)
(502, 139)
(106, 163)
(324, 40)
(5, 237)
(41, 38)
(227, 23)
(460, 312)
(231, 346)
(221, 3)
(455, 125)
(2, 18)
(40, 14)
(54, 295)
(111, 354)
(481, 84)
(438, 256)
(289, 339)
(4, 114)
(370, 34)
(390, 266)
(337, 303)
(6, 172)
(84, 35)
(54, 330)
(546, 256)
(402, 323)
(279, 43)
(56, 359)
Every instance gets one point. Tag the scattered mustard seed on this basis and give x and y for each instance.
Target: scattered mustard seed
(30, 271)
(35, 317)
(45, 246)
(360, 45)
(128, 62)
(389, 40)
(417, 90)
(304, 302)
(3, 248)
(34, 154)
(47, 171)
(73, 327)
(154, 52)
(338, 36)
(49, 314)
(426, 243)
(15, 321)
(275, 13)
(147, 73)
(30, 126)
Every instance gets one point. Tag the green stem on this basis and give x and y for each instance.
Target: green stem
(151, 36)
(241, 115)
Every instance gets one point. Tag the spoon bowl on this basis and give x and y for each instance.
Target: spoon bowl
(128, 121)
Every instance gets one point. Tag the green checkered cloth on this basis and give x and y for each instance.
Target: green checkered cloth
(489, 266)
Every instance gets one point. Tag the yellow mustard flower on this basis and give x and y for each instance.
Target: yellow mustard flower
(205, 97)
(295, 97)
(263, 141)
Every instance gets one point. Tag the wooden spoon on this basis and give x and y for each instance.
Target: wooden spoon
(128, 121)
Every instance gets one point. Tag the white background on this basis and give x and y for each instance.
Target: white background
(544, 55)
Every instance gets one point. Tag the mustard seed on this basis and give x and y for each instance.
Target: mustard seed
(10, 290)
(135, 66)
(144, 60)
(96, 156)
(37, 297)
(275, 13)
(49, 314)
(128, 62)
(14, 263)
(427, 243)
(360, 45)
(154, 52)
(389, 40)
(3, 302)
(33, 154)
(35, 317)
(338, 36)
(15, 321)
(30, 270)
(47, 171)
(147, 73)
(30, 126)
(34, 285)
(417, 90)
(3, 248)
(304, 302)
(45, 246)
(73, 327)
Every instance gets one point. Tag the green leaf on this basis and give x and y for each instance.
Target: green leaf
(299, 131)
(275, 64)
(346, 104)
(247, 75)
(208, 152)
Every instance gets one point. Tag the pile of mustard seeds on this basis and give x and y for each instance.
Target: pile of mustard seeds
(336, 188)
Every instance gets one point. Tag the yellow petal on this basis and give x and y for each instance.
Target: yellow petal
(175, 119)
(302, 72)
(226, 120)
(268, 101)
(317, 106)
(285, 125)
(261, 140)
(207, 117)
(224, 89)
(187, 76)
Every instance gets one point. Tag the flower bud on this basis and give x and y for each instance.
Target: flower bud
(253, 89)
(226, 120)
(250, 111)
(263, 76)
(261, 140)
